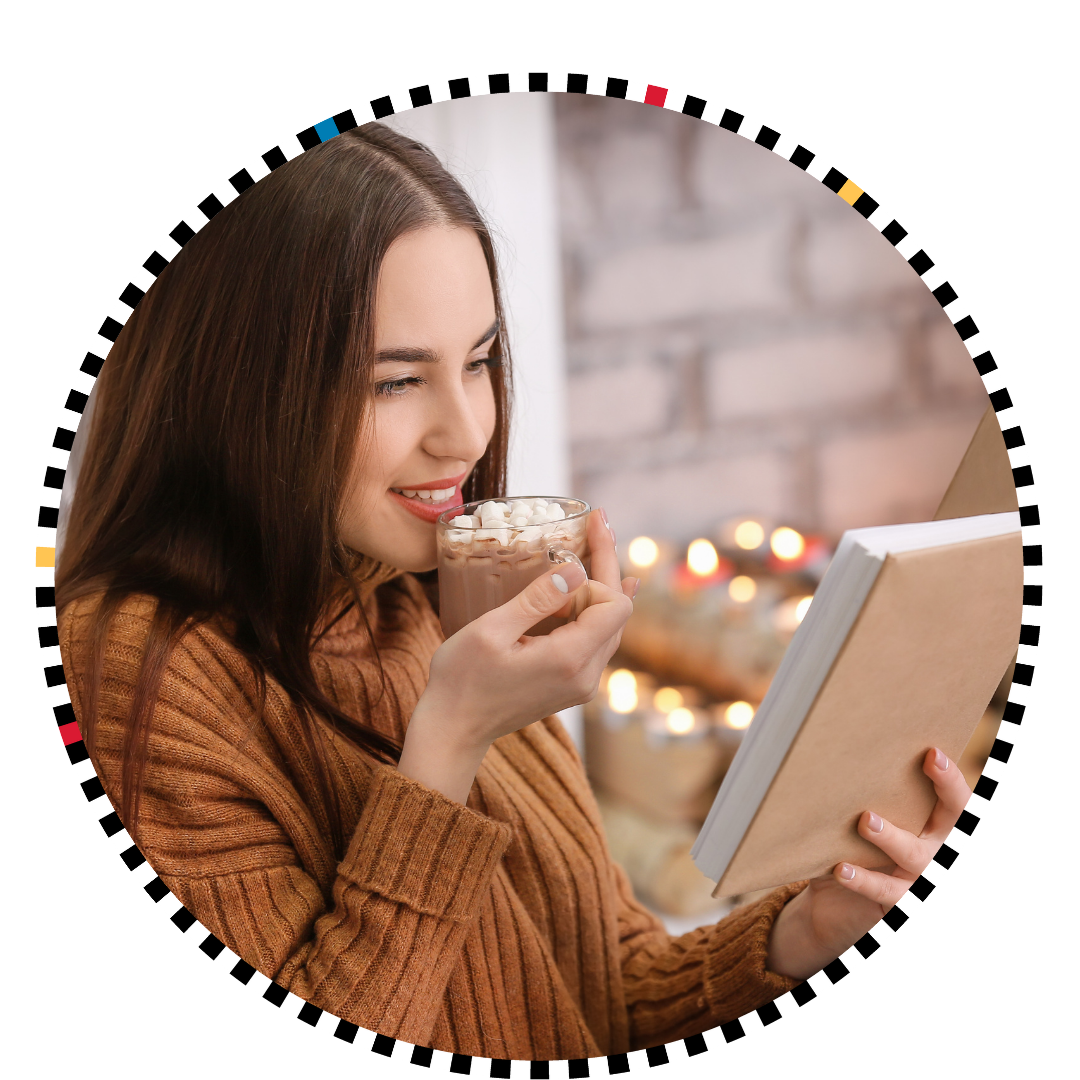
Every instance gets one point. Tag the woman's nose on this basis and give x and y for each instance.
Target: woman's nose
(455, 430)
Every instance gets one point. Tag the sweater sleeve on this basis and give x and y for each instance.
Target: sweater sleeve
(381, 952)
(373, 937)
(680, 986)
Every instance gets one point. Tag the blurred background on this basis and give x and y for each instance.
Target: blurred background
(722, 353)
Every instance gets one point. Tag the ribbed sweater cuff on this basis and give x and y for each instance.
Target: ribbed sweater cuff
(415, 846)
(736, 977)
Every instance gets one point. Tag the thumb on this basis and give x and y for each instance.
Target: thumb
(543, 596)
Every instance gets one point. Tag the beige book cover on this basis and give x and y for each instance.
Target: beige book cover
(916, 669)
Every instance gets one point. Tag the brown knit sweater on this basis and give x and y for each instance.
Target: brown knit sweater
(499, 929)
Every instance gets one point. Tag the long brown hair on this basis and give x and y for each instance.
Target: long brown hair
(227, 419)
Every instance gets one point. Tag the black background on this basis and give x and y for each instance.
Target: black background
(127, 150)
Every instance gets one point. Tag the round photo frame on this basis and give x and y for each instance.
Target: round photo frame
(862, 203)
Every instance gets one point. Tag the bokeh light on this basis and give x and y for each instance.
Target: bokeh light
(622, 691)
(643, 551)
(680, 721)
(749, 535)
(786, 543)
(701, 558)
(802, 607)
(738, 715)
(742, 589)
(667, 698)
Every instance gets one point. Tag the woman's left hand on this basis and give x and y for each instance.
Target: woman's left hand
(834, 911)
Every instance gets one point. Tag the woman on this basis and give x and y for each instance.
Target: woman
(391, 826)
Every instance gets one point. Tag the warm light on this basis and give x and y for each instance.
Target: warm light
(667, 698)
(680, 721)
(787, 543)
(790, 612)
(739, 714)
(622, 691)
(702, 559)
(643, 551)
(749, 535)
(742, 589)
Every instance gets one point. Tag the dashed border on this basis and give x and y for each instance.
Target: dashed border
(920, 262)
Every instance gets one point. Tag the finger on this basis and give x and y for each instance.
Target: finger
(908, 851)
(543, 596)
(630, 586)
(952, 792)
(883, 889)
(604, 561)
(604, 618)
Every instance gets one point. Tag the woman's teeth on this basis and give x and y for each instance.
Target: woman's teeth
(440, 495)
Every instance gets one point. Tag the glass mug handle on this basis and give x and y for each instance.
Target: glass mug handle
(560, 556)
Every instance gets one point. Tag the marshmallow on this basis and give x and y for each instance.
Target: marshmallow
(532, 522)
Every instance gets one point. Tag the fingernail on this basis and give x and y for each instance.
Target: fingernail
(847, 871)
(940, 760)
(637, 585)
(874, 823)
(570, 577)
(603, 517)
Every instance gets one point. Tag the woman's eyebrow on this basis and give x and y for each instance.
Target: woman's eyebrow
(406, 354)
(488, 334)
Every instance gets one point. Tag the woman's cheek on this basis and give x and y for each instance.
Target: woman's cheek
(485, 408)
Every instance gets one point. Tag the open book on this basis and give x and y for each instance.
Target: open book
(901, 650)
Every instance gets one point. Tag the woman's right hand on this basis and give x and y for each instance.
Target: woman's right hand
(488, 679)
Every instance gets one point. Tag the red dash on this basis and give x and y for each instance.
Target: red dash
(655, 95)
(70, 733)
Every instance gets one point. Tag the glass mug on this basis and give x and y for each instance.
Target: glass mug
(482, 568)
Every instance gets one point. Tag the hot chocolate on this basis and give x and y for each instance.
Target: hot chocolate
(489, 551)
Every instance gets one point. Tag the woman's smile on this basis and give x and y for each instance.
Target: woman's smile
(428, 500)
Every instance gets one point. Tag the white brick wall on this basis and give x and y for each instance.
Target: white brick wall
(632, 399)
(951, 371)
(667, 499)
(658, 283)
(804, 373)
(900, 474)
(848, 261)
(740, 340)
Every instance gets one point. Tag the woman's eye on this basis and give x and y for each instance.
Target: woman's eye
(484, 362)
(395, 387)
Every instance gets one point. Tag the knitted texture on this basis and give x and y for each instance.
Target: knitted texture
(499, 929)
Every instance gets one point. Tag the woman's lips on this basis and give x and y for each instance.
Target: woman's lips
(429, 511)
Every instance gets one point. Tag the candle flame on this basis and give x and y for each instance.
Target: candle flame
(786, 543)
(643, 551)
(742, 589)
(749, 535)
(738, 715)
(701, 558)
(680, 721)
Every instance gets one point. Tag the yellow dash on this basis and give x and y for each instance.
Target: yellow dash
(849, 192)
(46, 556)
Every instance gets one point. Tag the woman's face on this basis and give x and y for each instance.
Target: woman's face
(434, 408)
